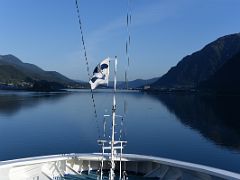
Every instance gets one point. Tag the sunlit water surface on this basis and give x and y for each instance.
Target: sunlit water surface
(193, 128)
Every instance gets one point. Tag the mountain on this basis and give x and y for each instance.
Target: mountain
(10, 73)
(201, 65)
(14, 72)
(226, 79)
(138, 83)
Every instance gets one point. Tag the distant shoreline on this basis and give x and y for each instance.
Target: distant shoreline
(192, 91)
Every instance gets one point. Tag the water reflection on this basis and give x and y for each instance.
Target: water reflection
(13, 102)
(215, 117)
(33, 124)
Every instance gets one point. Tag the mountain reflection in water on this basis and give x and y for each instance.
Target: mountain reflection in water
(12, 102)
(192, 128)
(216, 117)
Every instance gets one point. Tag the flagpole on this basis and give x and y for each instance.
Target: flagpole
(113, 121)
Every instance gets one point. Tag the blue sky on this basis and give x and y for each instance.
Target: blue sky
(46, 32)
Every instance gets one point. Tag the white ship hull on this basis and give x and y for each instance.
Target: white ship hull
(57, 166)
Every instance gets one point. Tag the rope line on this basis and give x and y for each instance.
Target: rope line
(87, 64)
(128, 42)
(127, 49)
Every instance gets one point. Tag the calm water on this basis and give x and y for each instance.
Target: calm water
(199, 129)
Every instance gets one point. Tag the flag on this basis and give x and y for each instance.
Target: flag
(100, 74)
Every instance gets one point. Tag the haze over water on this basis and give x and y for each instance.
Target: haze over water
(193, 128)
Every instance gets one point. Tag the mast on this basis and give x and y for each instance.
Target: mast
(113, 121)
(114, 147)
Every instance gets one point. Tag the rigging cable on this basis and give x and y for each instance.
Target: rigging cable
(128, 41)
(87, 64)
